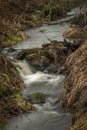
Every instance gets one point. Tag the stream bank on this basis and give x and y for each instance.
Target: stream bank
(11, 103)
(49, 113)
(16, 16)
(76, 86)
(76, 81)
(54, 118)
(46, 87)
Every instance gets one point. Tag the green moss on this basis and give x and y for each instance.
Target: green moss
(2, 124)
(14, 40)
(31, 57)
(14, 71)
(7, 79)
(37, 98)
(42, 30)
(48, 48)
(61, 46)
(3, 91)
(35, 51)
(65, 84)
(18, 96)
(21, 102)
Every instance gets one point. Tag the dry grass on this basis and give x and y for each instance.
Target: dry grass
(77, 79)
(11, 103)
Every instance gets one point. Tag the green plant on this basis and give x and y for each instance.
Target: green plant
(14, 40)
(2, 124)
(65, 84)
(17, 96)
(42, 30)
(14, 71)
(6, 77)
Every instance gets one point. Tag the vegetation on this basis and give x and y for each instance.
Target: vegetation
(77, 91)
(13, 40)
(50, 54)
(37, 98)
(11, 103)
(77, 72)
(16, 16)
(6, 77)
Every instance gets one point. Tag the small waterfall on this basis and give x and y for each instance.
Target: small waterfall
(50, 115)
(23, 67)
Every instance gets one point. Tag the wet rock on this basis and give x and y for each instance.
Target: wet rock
(35, 57)
(38, 98)
(50, 57)
(22, 55)
(11, 49)
(53, 69)
(38, 61)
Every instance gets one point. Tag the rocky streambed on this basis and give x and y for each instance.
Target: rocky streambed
(42, 71)
(43, 87)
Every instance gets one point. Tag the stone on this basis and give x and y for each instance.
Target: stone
(37, 98)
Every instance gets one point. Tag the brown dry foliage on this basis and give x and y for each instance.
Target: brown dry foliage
(77, 80)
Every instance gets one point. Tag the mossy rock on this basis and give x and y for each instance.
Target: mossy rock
(37, 60)
(21, 55)
(11, 49)
(35, 57)
(34, 51)
(46, 45)
(13, 40)
(61, 46)
(41, 58)
(49, 51)
(37, 98)
(21, 103)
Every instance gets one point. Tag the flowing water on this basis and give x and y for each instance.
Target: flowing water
(53, 32)
(50, 115)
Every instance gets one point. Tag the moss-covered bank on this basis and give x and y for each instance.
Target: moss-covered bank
(76, 81)
(15, 16)
(11, 103)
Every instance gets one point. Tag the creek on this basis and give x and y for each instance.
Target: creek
(49, 115)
